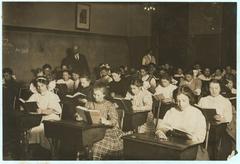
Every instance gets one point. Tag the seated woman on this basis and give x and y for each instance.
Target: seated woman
(205, 78)
(76, 80)
(194, 84)
(141, 101)
(47, 71)
(206, 75)
(218, 74)
(104, 73)
(48, 104)
(66, 79)
(165, 93)
(86, 87)
(184, 117)
(224, 116)
(69, 104)
(178, 76)
(40, 72)
(196, 70)
(140, 97)
(149, 81)
(112, 143)
(119, 86)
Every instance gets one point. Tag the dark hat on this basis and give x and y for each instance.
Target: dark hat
(75, 49)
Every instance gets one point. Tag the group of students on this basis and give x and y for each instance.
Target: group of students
(179, 93)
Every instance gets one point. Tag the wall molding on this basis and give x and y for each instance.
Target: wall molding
(53, 31)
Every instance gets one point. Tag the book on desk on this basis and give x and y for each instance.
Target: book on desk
(89, 116)
(178, 133)
(29, 107)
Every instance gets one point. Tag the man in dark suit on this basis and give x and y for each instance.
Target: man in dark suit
(76, 61)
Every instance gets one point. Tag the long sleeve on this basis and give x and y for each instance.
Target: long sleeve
(54, 104)
(113, 115)
(191, 120)
(147, 102)
(227, 113)
(222, 105)
(199, 132)
(165, 124)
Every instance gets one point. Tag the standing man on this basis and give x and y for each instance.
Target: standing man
(77, 61)
(148, 58)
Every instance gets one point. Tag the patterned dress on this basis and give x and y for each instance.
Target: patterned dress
(111, 144)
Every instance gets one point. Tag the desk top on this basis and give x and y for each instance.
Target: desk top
(80, 132)
(27, 121)
(172, 142)
(74, 124)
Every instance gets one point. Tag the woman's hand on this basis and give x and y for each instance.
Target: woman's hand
(161, 135)
(105, 121)
(77, 117)
(219, 119)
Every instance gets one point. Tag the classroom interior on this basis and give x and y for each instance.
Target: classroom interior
(114, 38)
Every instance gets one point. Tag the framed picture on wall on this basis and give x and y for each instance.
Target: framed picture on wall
(83, 16)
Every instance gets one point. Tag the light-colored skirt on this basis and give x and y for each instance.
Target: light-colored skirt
(37, 135)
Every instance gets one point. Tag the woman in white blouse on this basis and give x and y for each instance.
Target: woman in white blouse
(184, 117)
(48, 104)
(164, 92)
(216, 101)
(141, 101)
(140, 97)
(219, 141)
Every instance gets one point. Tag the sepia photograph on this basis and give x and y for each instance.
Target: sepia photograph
(119, 81)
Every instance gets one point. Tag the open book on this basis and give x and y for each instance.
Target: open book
(209, 113)
(77, 95)
(89, 116)
(179, 133)
(124, 104)
(29, 107)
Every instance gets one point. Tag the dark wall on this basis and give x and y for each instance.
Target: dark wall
(229, 34)
(25, 50)
(39, 33)
(170, 32)
(186, 33)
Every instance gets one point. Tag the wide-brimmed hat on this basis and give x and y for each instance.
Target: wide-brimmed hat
(75, 49)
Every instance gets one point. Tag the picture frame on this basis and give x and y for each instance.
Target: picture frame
(83, 16)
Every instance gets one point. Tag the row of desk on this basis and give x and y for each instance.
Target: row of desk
(136, 146)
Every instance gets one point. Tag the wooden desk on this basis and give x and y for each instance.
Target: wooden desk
(24, 123)
(83, 134)
(149, 147)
